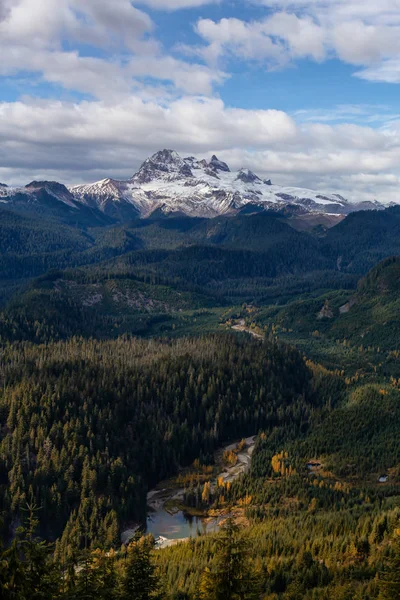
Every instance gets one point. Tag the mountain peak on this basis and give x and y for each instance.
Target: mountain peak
(218, 165)
(172, 184)
(247, 176)
(53, 186)
(165, 164)
(166, 156)
(52, 189)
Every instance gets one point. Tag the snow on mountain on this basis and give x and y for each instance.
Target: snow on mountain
(101, 192)
(58, 191)
(112, 197)
(200, 188)
(166, 165)
(6, 191)
(50, 198)
(34, 190)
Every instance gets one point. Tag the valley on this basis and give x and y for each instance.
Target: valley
(136, 355)
(171, 521)
(199, 300)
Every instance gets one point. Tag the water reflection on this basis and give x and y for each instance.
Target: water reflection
(178, 525)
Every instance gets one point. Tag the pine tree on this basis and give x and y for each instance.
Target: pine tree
(27, 569)
(12, 573)
(389, 579)
(96, 577)
(138, 579)
(86, 586)
(42, 578)
(231, 578)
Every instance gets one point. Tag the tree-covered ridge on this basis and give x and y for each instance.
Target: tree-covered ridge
(89, 425)
(363, 239)
(307, 555)
(234, 259)
(363, 319)
(94, 303)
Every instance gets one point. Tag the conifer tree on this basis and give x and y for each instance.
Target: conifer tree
(389, 580)
(138, 578)
(11, 573)
(27, 569)
(231, 577)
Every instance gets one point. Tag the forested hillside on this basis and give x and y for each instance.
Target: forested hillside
(252, 258)
(358, 329)
(89, 426)
(120, 372)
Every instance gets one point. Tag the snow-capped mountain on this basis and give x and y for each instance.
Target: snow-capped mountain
(50, 199)
(169, 184)
(200, 188)
(36, 190)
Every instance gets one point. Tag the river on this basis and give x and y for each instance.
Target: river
(170, 526)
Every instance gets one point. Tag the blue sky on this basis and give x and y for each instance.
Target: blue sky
(306, 92)
(305, 84)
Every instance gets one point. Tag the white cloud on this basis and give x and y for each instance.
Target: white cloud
(31, 35)
(349, 113)
(91, 140)
(189, 122)
(339, 10)
(176, 4)
(358, 43)
(42, 24)
(362, 33)
(193, 78)
(233, 36)
(387, 71)
(275, 40)
(303, 36)
(145, 99)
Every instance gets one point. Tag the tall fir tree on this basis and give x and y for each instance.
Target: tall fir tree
(389, 579)
(139, 580)
(231, 578)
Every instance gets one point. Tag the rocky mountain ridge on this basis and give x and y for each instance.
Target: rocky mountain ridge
(172, 185)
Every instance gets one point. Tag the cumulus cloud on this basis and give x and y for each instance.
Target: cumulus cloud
(31, 36)
(303, 36)
(91, 140)
(139, 98)
(357, 43)
(42, 24)
(276, 40)
(176, 4)
(360, 33)
(193, 78)
(189, 122)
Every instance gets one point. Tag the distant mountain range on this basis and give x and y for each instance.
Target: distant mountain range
(167, 184)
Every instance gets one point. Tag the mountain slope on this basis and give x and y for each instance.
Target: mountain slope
(365, 238)
(366, 318)
(167, 184)
(201, 188)
(51, 200)
(371, 317)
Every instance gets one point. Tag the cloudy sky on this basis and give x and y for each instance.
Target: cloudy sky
(306, 92)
